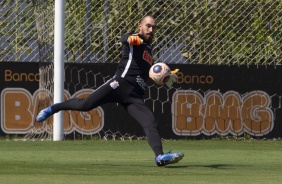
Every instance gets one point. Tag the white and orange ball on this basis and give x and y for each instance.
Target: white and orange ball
(159, 73)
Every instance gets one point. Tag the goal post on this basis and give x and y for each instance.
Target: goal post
(59, 32)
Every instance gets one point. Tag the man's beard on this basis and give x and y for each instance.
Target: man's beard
(149, 37)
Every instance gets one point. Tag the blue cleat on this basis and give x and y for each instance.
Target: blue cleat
(168, 158)
(44, 114)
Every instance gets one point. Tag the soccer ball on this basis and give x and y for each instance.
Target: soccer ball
(159, 73)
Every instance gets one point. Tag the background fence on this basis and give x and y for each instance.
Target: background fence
(195, 31)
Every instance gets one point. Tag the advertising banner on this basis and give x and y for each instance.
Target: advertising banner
(206, 101)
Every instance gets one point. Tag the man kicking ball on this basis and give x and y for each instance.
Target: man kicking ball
(127, 88)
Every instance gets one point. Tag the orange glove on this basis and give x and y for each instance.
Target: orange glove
(134, 40)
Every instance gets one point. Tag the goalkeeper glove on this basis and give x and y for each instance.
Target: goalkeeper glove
(172, 79)
(134, 40)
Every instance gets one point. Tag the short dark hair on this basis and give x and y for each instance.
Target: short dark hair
(146, 17)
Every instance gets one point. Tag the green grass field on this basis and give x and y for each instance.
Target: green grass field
(98, 161)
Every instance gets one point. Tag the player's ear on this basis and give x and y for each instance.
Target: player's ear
(139, 26)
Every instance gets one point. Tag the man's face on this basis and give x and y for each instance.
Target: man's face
(147, 28)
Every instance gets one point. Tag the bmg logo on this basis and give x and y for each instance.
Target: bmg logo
(19, 108)
(216, 113)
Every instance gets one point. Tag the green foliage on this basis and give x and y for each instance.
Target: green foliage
(236, 32)
(16, 28)
(211, 32)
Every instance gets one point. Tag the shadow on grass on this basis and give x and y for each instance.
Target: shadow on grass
(135, 165)
(217, 166)
(174, 166)
(211, 166)
(220, 166)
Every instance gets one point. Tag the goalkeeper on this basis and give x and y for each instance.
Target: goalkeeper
(127, 87)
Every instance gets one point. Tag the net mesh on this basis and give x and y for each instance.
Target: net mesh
(200, 32)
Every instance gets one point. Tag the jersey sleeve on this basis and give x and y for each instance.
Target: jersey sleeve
(124, 37)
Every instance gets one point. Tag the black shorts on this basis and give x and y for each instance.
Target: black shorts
(115, 90)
